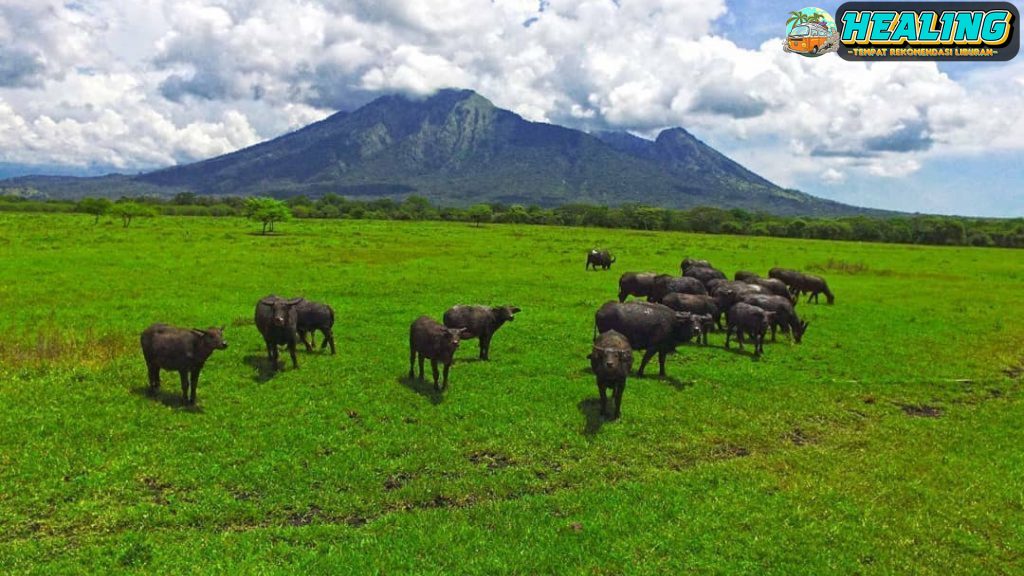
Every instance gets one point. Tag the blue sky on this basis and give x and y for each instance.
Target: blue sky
(133, 85)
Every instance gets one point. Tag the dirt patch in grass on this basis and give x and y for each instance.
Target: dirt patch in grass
(55, 346)
(396, 481)
(726, 451)
(840, 266)
(305, 517)
(921, 410)
(799, 437)
(493, 460)
(157, 489)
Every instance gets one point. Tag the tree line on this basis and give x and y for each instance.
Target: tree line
(910, 229)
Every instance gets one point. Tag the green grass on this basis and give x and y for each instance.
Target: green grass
(810, 460)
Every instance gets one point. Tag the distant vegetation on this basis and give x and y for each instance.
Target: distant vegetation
(938, 230)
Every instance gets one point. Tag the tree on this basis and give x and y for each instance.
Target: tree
(479, 213)
(128, 211)
(267, 211)
(95, 206)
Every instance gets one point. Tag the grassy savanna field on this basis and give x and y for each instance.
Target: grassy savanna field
(889, 441)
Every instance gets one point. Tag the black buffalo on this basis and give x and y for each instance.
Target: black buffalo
(743, 319)
(185, 350)
(652, 327)
(277, 319)
(313, 316)
(600, 258)
(430, 339)
(611, 358)
(479, 322)
(785, 316)
(636, 284)
(664, 284)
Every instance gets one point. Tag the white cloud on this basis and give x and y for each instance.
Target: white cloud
(143, 83)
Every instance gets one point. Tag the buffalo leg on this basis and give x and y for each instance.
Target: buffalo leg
(661, 362)
(184, 385)
(302, 336)
(773, 331)
(422, 358)
(194, 384)
(619, 389)
(328, 338)
(433, 367)
(154, 376)
(739, 336)
(485, 346)
(728, 335)
(604, 399)
(446, 368)
(291, 350)
(643, 363)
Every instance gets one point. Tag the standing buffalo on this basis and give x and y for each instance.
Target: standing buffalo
(652, 327)
(665, 284)
(635, 284)
(728, 293)
(773, 286)
(277, 320)
(704, 274)
(611, 358)
(744, 318)
(788, 276)
(313, 316)
(600, 258)
(813, 285)
(688, 263)
(171, 348)
(430, 339)
(699, 305)
(784, 315)
(479, 322)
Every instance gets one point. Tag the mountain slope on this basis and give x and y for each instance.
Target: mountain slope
(455, 147)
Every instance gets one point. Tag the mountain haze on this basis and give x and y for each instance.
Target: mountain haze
(457, 148)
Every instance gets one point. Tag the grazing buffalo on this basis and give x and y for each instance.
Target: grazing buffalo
(636, 284)
(185, 350)
(730, 292)
(697, 304)
(600, 258)
(704, 274)
(313, 316)
(430, 339)
(654, 328)
(773, 286)
(787, 276)
(611, 358)
(785, 316)
(665, 284)
(277, 319)
(813, 285)
(688, 263)
(479, 322)
(744, 318)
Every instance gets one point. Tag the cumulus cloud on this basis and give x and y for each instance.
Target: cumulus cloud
(144, 83)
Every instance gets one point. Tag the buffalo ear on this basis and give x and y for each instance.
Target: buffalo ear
(268, 301)
(199, 332)
(294, 301)
(463, 333)
(516, 309)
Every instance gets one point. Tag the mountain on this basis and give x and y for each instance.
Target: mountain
(457, 148)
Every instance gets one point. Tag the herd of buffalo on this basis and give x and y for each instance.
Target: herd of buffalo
(678, 309)
(672, 310)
